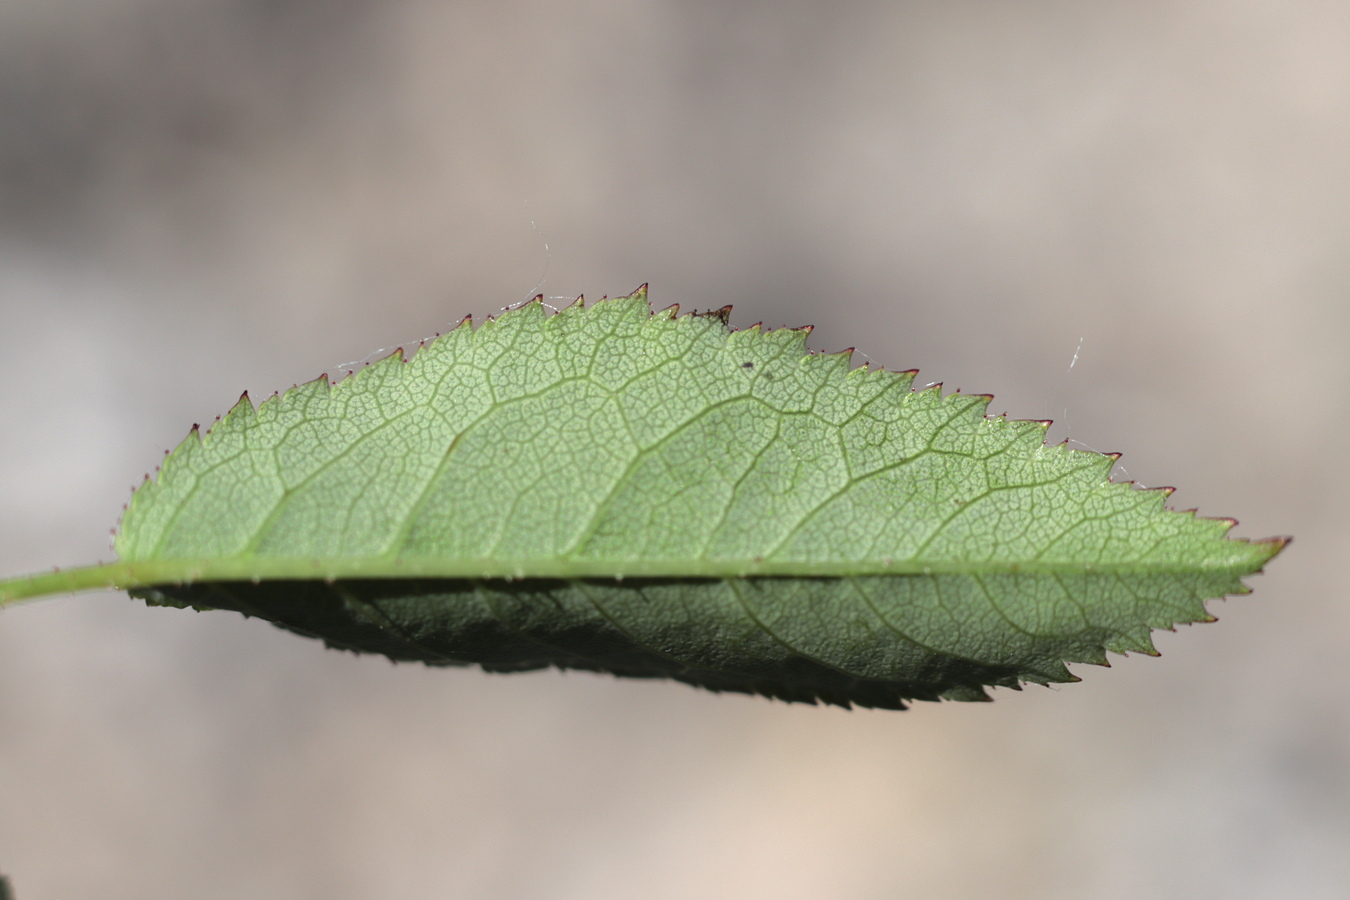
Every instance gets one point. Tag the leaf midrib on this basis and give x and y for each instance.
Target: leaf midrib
(125, 575)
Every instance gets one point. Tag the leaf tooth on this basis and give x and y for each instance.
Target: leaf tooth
(1133, 640)
(791, 340)
(535, 302)
(839, 361)
(239, 417)
(243, 407)
(906, 377)
(297, 392)
(967, 693)
(1092, 656)
(272, 401)
(930, 391)
(1054, 671)
(1103, 463)
(978, 407)
(178, 457)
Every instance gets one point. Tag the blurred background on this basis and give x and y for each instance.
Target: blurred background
(1130, 218)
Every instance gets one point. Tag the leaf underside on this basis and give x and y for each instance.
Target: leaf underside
(656, 495)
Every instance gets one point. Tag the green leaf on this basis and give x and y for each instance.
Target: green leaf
(658, 495)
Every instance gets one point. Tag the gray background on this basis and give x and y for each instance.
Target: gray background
(199, 197)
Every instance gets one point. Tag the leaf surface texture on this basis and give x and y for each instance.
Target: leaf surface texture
(658, 495)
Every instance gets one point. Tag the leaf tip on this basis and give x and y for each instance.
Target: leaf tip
(1269, 548)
